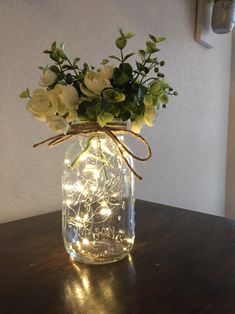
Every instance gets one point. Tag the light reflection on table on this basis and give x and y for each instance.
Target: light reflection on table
(88, 292)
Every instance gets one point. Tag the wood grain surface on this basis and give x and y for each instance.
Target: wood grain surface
(182, 262)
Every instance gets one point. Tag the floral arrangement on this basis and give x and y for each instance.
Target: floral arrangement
(72, 93)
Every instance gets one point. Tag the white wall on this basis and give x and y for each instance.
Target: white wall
(189, 139)
(230, 196)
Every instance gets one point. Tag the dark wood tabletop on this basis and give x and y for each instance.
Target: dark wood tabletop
(182, 262)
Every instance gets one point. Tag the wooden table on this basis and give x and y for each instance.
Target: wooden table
(183, 262)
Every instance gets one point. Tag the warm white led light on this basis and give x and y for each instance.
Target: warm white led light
(130, 240)
(105, 211)
(85, 282)
(96, 174)
(85, 241)
(82, 218)
(85, 217)
(68, 187)
(103, 203)
(66, 161)
(68, 202)
(94, 144)
(93, 188)
(79, 187)
(83, 156)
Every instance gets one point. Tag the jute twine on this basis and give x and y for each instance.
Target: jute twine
(111, 130)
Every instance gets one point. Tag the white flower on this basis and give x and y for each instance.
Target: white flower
(150, 116)
(107, 71)
(67, 94)
(69, 98)
(137, 124)
(58, 124)
(43, 103)
(150, 112)
(94, 82)
(148, 101)
(48, 78)
(72, 116)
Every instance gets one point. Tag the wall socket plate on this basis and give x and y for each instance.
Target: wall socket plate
(204, 33)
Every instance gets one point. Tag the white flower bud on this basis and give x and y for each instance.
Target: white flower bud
(48, 78)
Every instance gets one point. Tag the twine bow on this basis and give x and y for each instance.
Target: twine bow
(110, 130)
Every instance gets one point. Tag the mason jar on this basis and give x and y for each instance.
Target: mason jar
(98, 214)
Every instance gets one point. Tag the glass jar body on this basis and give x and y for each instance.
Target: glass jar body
(98, 201)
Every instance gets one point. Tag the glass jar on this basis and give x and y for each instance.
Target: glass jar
(98, 201)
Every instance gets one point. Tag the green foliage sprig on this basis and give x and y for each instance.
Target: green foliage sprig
(74, 92)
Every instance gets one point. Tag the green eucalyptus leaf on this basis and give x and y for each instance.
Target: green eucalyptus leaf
(116, 110)
(141, 67)
(160, 39)
(116, 58)
(113, 95)
(142, 91)
(129, 106)
(91, 112)
(120, 77)
(126, 68)
(55, 55)
(62, 55)
(121, 42)
(54, 68)
(25, 94)
(53, 46)
(124, 116)
(104, 118)
(155, 100)
(69, 78)
(83, 107)
(76, 60)
(151, 47)
(153, 38)
(155, 88)
(67, 67)
(104, 61)
(142, 54)
(163, 98)
(165, 85)
(128, 56)
(128, 35)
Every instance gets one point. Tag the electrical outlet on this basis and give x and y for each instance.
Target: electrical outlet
(204, 33)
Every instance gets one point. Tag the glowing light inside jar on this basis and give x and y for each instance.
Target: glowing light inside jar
(96, 174)
(66, 162)
(85, 241)
(93, 188)
(83, 156)
(130, 240)
(105, 212)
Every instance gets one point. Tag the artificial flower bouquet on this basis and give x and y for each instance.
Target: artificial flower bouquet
(72, 93)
